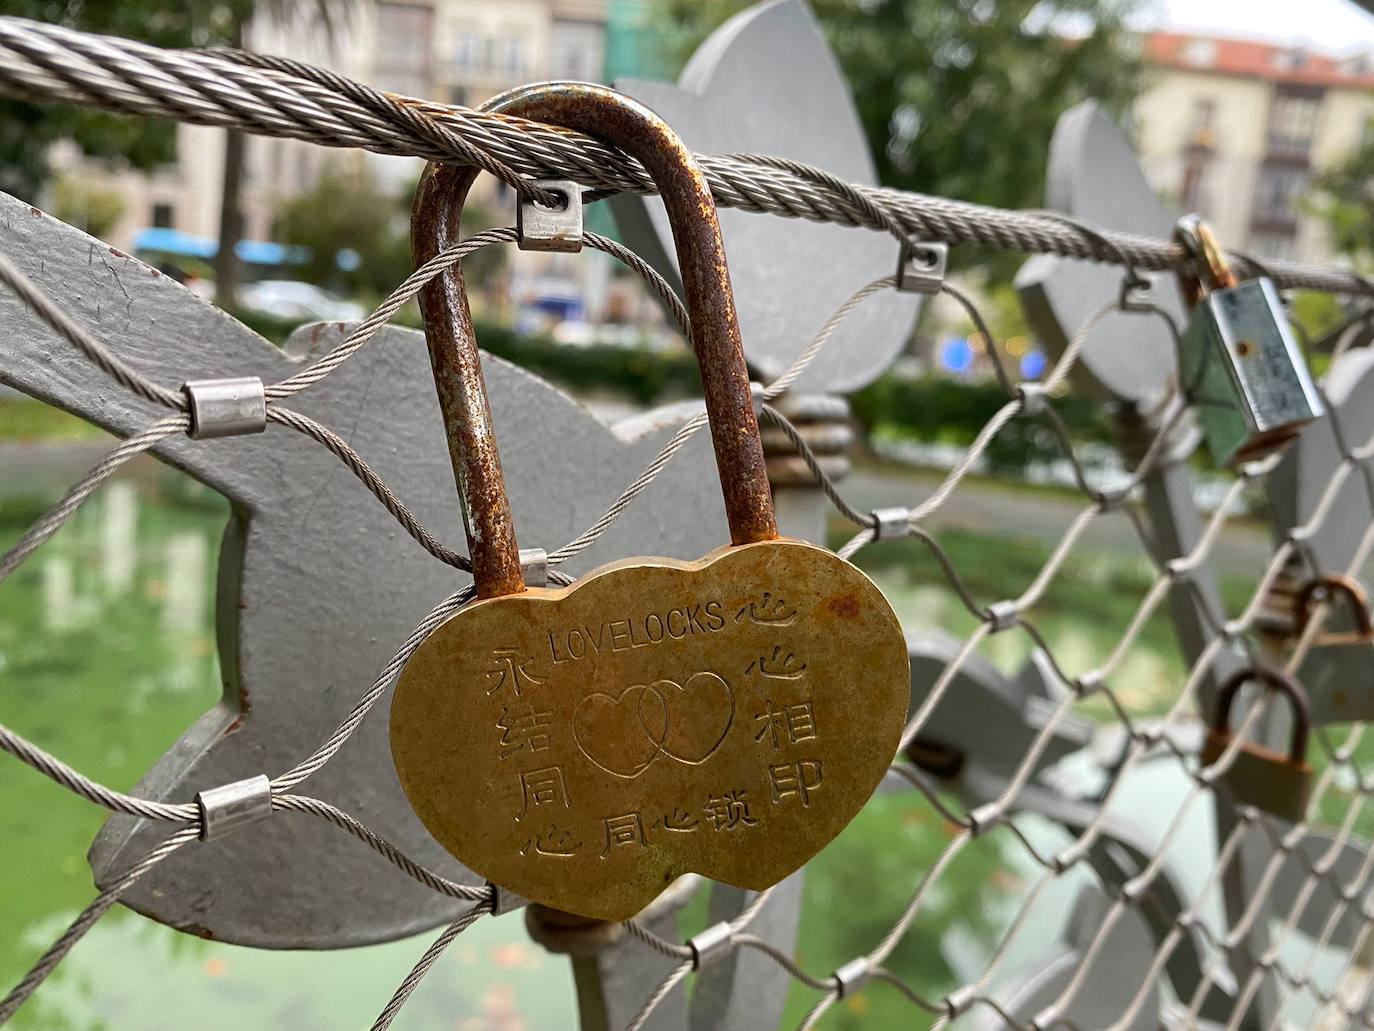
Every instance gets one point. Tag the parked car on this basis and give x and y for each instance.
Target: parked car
(291, 299)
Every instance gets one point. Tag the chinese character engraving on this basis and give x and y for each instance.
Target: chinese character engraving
(799, 778)
(794, 723)
(542, 787)
(728, 812)
(625, 829)
(552, 842)
(520, 731)
(509, 671)
(679, 820)
(768, 611)
(778, 666)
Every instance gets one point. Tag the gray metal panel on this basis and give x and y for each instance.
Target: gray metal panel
(1094, 176)
(318, 584)
(765, 82)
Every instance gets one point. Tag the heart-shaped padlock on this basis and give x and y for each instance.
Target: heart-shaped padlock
(585, 746)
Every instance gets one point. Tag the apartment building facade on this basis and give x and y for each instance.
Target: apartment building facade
(461, 51)
(1237, 129)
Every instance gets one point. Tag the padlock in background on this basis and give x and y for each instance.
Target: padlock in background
(1241, 368)
(585, 746)
(1277, 784)
(1338, 670)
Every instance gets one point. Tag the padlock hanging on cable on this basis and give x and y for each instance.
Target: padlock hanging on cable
(1277, 784)
(585, 746)
(1338, 671)
(1241, 368)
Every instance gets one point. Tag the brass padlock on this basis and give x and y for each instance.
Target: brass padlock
(1338, 670)
(587, 745)
(1275, 783)
(1241, 367)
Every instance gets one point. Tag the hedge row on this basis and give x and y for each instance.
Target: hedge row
(928, 408)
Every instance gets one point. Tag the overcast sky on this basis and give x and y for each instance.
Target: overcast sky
(1329, 24)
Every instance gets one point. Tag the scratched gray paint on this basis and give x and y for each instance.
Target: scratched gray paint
(1094, 176)
(765, 82)
(991, 720)
(317, 584)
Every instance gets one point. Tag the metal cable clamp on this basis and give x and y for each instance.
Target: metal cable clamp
(231, 807)
(226, 407)
(551, 229)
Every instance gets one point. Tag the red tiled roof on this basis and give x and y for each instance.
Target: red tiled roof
(1255, 60)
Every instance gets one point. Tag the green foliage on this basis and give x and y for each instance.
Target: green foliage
(89, 206)
(25, 418)
(940, 409)
(960, 99)
(1343, 196)
(645, 377)
(348, 208)
(1316, 312)
(28, 130)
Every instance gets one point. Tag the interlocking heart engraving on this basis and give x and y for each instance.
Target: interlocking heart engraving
(604, 726)
(728, 717)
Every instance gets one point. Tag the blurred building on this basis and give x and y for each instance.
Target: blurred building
(1236, 129)
(459, 51)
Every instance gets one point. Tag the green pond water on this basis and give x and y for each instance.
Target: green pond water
(107, 655)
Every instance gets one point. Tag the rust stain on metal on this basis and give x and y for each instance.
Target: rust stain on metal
(624, 123)
(846, 606)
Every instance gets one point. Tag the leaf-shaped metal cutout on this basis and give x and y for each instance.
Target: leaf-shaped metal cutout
(765, 82)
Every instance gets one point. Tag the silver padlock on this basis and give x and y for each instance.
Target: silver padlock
(1241, 368)
(1339, 668)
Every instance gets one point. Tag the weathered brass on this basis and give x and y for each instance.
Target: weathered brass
(583, 747)
(1278, 784)
(586, 746)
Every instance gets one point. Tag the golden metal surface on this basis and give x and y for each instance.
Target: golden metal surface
(586, 746)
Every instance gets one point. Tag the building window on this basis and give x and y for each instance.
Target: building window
(1277, 194)
(1200, 53)
(465, 53)
(1192, 192)
(403, 34)
(1292, 118)
(515, 58)
(1202, 128)
(1290, 60)
(1273, 245)
(164, 216)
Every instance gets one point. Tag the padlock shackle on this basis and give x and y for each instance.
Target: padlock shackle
(616, 119)
(1284, 684)
(1209, 268)
(1333, 584)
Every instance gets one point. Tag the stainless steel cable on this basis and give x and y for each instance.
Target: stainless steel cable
(45, 62)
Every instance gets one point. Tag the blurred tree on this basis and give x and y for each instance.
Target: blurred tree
(27, 131)
(960, 97)
(87, 205)
(1343, 196)
(324, 16)
(348, 211)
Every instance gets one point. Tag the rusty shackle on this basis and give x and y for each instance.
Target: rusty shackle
(1209, 270)
(629, 125)
(1284, 684)
(1334, 584)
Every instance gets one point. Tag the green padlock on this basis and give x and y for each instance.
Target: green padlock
(1278, 784)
